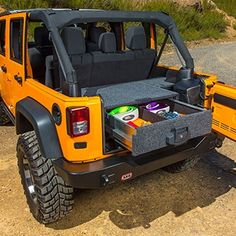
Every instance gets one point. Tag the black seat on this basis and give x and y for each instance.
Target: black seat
(93, 37)
(144, 57)
(74, 42)
(112, 67)
(38, 54)
(108, 64)
(42, 41)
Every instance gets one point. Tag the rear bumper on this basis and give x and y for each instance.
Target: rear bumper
(121, 168)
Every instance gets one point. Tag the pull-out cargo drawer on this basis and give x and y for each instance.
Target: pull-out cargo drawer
(160, 132)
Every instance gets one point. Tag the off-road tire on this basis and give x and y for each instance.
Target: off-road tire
(50, 198)
(183, 165)
(4, 119)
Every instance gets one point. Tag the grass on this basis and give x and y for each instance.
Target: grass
(192, 24)
(234, 26)
(229, 6)
(23, 4)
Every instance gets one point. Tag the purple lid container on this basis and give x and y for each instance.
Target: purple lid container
(153, 106)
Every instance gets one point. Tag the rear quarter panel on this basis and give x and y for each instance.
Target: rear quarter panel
(47, 97)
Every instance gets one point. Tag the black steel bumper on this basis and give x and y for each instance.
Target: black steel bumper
(121, 168)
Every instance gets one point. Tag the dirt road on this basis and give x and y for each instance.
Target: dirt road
(216, 59)
(201, 201)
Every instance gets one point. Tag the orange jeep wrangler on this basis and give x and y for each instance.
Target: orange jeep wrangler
(93, 106)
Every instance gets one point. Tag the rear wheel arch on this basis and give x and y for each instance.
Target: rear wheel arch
(23, 125)
(32, 116)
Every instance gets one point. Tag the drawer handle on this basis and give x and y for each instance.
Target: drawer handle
(178, 136)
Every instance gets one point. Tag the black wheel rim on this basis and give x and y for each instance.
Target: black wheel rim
(29, 181)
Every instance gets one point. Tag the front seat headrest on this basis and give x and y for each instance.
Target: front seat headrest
(41, 36)
(73, 39)
(135, 38)
(94, 33)
(107, 42)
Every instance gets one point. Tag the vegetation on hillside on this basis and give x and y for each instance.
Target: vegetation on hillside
(234, 26)
(229, 6)
(193, 24)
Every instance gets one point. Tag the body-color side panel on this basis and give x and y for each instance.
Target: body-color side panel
(48, 97)
(224, 110)
(13, 92)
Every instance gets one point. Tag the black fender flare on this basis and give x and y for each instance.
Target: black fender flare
(31, 115)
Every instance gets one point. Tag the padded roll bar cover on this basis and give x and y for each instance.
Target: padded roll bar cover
(49, 71)
(58, 19)
(135, 38)
(30, 115)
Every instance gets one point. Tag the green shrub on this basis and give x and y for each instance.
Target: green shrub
(192, 24)
(234, 26)
(229, 6)
(23, 4)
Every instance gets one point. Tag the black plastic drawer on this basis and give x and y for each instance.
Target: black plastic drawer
(161, 133)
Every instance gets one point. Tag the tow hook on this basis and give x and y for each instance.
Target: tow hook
(219, 142)
(107, 179)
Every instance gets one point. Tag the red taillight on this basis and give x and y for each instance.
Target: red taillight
(77, 121)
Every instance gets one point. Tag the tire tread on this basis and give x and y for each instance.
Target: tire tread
(55, 197)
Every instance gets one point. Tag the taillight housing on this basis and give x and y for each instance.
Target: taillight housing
(77, 121)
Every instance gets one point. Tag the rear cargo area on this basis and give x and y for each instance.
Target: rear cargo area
(178, 123)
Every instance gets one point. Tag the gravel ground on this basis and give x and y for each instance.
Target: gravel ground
(201, 201)
(213, 59)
